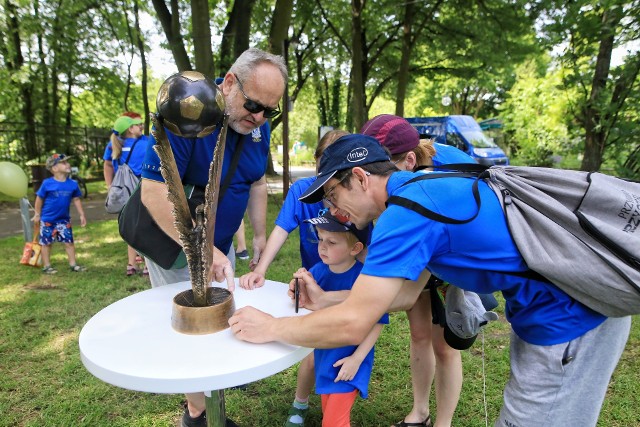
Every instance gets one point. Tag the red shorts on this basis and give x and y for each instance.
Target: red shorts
(336, 409)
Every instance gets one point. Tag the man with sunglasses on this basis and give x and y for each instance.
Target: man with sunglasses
(252, 90)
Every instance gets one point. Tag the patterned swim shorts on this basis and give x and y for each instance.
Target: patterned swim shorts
(58, 231)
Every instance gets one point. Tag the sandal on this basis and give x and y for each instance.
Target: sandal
(131, 270)
(145, 271)
(49, 270)
(77, 268)
(425, 423)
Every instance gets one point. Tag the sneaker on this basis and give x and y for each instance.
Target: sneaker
(296, 417)
(47, 269)
(77, 268)
(199, 421)
(242, 254)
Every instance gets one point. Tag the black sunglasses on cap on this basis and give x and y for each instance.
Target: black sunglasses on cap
(255, 107)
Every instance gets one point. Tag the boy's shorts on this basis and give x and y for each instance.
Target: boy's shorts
(58, 231)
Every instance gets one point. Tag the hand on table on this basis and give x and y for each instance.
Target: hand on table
(252, 325)
(221, 269)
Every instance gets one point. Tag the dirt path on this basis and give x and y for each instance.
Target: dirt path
(11, 222)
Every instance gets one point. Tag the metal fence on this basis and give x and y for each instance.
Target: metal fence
(85, 143)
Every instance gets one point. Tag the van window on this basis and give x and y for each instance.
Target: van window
(478, 139)
(456, 141)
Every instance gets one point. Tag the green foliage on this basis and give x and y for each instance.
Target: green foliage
(534, 116)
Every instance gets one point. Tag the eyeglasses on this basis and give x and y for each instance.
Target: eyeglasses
(328, 195)
(255, 107)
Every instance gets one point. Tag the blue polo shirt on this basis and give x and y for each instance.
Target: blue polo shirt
(57, 197)
(137, 155)
(292, 215)
(325, 358)
(471, 255)
(193, 157)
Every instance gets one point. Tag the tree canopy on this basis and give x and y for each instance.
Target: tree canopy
(562, 76)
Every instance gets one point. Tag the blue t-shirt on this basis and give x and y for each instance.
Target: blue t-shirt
(137, 156)
(193, 157)
(446, 154)
(471, 255)
(57, 198)
(292, 215)
(325, 358)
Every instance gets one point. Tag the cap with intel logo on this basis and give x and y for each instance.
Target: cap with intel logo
(345, 153)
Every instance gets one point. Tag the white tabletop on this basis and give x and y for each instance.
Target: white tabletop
(131, 344)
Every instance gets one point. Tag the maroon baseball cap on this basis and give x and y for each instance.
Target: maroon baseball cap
(393, 132)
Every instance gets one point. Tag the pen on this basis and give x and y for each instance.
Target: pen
(296, 292)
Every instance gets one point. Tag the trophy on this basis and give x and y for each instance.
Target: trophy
(191, 105)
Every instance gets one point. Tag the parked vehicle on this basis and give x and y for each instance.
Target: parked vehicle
(462, 132)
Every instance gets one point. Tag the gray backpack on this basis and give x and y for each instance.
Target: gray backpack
(122, 186)
(578, 230)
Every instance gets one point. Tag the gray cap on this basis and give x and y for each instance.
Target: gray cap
(465, 316)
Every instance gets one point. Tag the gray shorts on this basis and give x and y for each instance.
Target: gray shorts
(562, 384)
(160, 277)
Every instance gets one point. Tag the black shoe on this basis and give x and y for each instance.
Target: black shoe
(243, 255)
(199, 421)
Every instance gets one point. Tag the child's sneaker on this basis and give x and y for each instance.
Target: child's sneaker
(296, 416)
(47, 269)
(77, 268)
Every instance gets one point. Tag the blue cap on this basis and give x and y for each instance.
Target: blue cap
(345, 153)
(326, 221)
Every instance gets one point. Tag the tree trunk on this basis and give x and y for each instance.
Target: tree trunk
(243, 25)
(595, 130)
(405, 59)
(26, 88)
(280, 22)
(202, 37)
(171, 25)
(357, 81)
(143, 60)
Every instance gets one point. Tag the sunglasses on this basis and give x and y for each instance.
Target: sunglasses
(255, 107)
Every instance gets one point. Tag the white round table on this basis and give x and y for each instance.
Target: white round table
(131, 344)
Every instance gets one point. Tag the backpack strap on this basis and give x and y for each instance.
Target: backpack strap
(232, 167)
(472, 172)
(428, 213)
(132, 148)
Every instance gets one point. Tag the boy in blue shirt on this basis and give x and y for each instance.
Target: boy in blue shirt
(52, 211)
(341, 373)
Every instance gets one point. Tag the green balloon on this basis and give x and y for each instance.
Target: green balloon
(13, 180)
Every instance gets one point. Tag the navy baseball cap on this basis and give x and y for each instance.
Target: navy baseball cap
(326, 221)
(345, 153)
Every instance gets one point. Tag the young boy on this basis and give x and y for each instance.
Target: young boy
(52, 211)
(340, 373)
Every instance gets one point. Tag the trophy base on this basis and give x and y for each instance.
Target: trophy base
(214, 317)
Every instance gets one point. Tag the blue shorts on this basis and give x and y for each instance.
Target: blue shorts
(58, 231)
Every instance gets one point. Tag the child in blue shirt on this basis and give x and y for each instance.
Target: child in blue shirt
(52, 211)
(292, 215)
(341, 373)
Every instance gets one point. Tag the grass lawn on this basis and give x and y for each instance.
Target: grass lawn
(43, 381)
